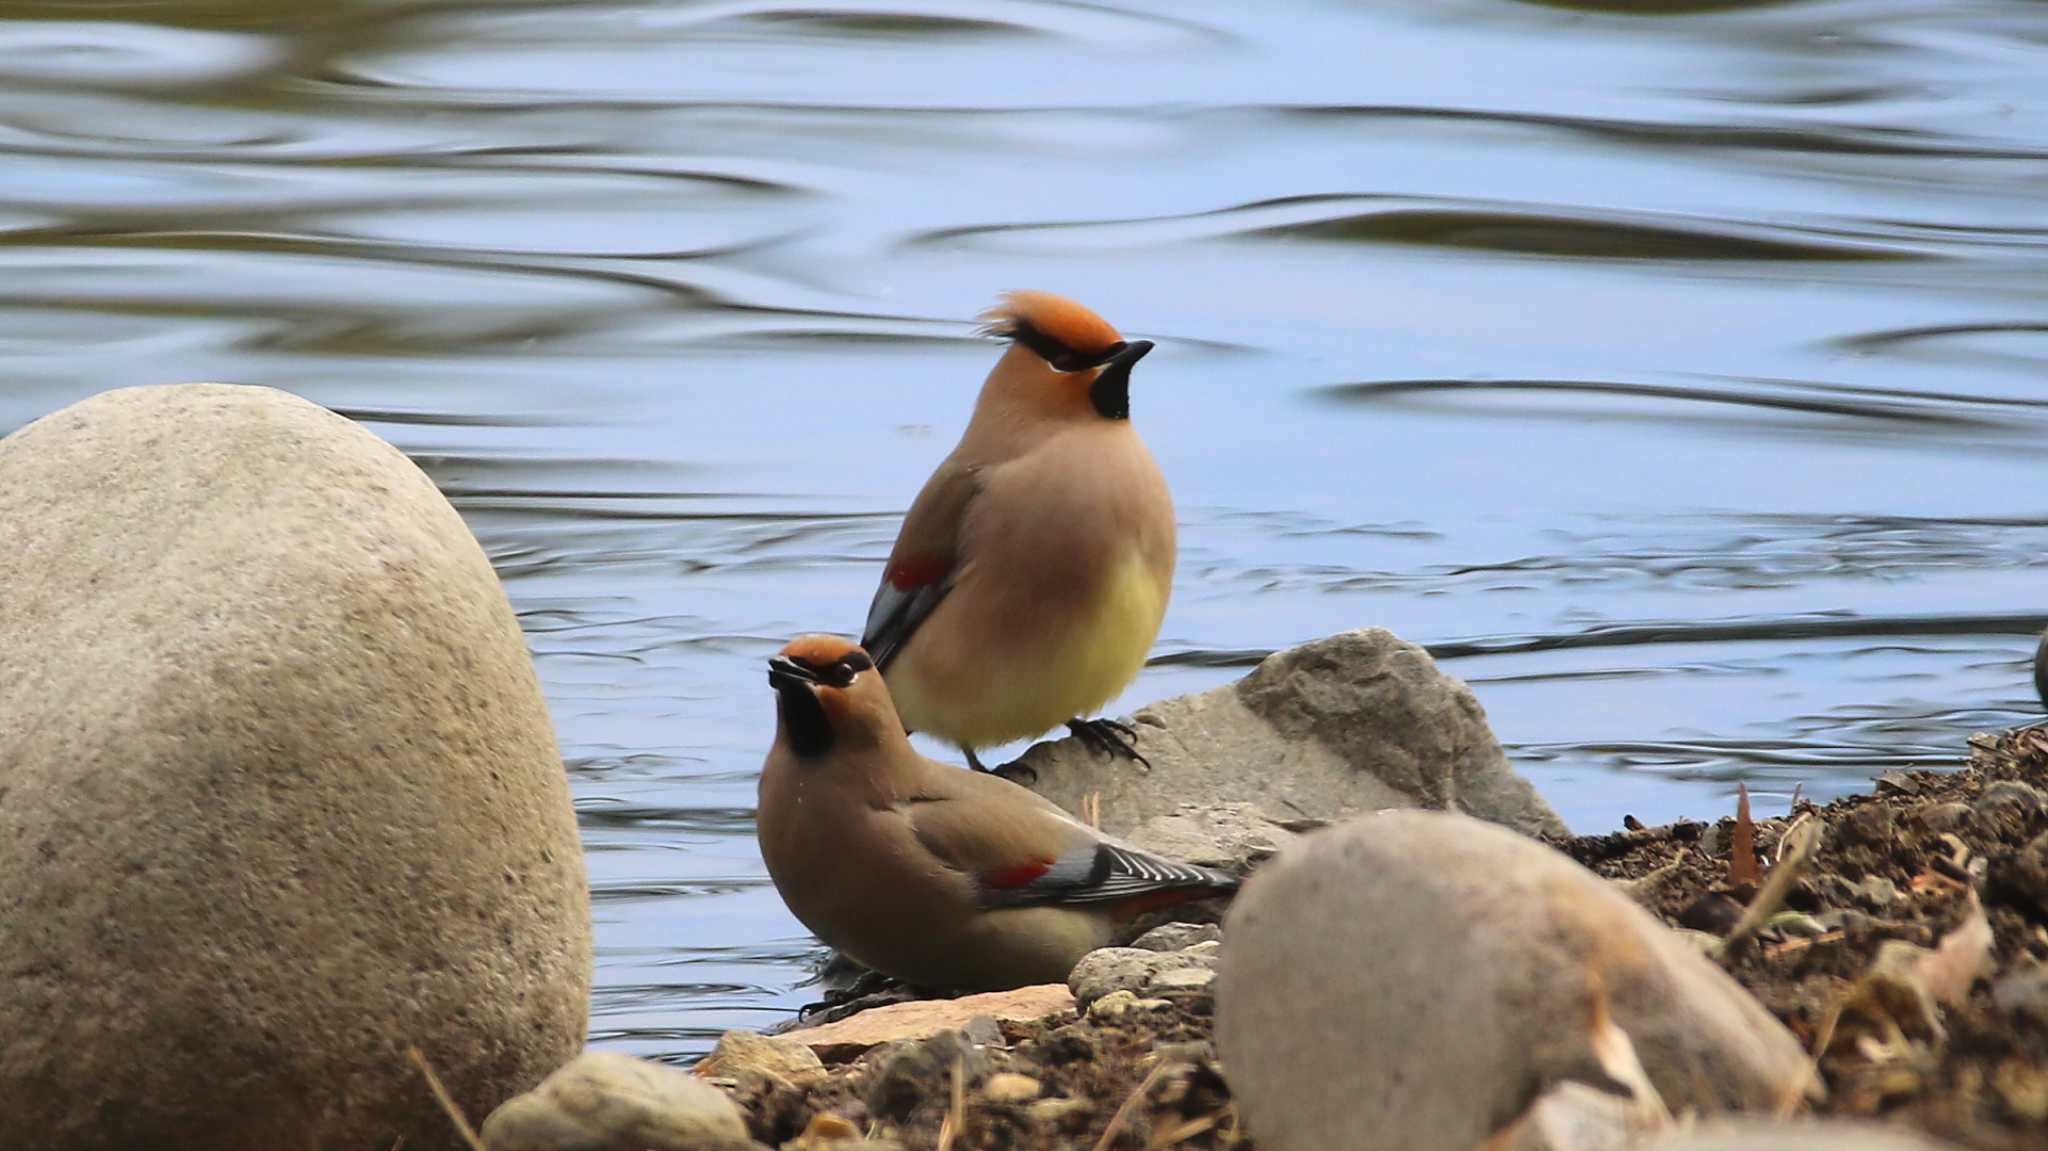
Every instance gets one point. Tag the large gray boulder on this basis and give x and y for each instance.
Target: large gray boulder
(1357, 722)
(279, 797)
(1426, 977)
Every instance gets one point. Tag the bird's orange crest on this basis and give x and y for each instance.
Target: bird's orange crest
(818, 650)
(1058, 319)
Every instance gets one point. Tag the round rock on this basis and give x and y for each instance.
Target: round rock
(1426, 976)
(279, 797)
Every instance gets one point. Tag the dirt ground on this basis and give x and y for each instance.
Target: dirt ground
(1912, 862)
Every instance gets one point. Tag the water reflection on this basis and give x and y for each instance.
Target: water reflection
(1675, 371)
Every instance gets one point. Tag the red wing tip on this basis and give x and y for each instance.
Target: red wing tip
(1018, 875)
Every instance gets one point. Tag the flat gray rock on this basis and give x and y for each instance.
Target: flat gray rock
(1356, 722)
(279, 796)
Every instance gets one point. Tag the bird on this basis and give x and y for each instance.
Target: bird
(1031, 573)
(942, 878)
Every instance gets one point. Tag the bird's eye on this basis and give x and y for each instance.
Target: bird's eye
(840, 672)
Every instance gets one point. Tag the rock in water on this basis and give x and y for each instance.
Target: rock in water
(1353, 723)
(1424, 976)
(279, 796)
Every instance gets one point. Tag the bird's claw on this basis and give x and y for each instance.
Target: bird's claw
(1110, 737)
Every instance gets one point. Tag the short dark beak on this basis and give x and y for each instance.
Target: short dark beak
(785, 673)
(1130, 354)
(1111, 391)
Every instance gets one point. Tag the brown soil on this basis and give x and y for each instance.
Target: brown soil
(1977, 1076)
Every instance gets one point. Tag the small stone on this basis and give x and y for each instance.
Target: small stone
(983, 1031)
(1058, 1113)
(2022, 877)
(606, 1101)
(1177, 936)
(1114, 1005)
(1942, 817)
(742, 1053)
(1182, 981)
(1574, 1117)
(1876, 890)
(1796, 923)
(2023, 1087)
(2024, 796)
(824, 1129)
(1010, 1087)
(1111, 969)
(1208, 949)
(1897, 783)
(2024, 993)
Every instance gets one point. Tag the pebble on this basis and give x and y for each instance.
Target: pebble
(1057, 1112)
(1132, 969)
(1177, 936)
(2024, 993)
(1010, 1087)
(749, 1052)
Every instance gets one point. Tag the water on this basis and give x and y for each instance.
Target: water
(1680, 378)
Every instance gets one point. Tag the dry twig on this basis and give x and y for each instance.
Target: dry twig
(1801, 841)
(1129, 1105)
(446, 1100)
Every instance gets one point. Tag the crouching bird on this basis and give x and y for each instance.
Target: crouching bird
(943, 878)
(1031, 573)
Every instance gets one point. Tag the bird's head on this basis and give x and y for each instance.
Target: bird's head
(828, 692)
(1057, 344)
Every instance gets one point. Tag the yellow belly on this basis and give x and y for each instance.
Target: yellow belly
(1038, 681)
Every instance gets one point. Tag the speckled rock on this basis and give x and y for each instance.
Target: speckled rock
(279, 796)
(1356, 722)
(740, 1053)
(1423, 976)
(1111, 969)
(606, 1101)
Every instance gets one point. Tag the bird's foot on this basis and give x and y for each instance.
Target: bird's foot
(872, 985)
(1109, 737)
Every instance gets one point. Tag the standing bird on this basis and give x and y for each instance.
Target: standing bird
(940, 877)
(1031, 573)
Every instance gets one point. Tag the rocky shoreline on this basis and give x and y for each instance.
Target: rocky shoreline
(1128, 1056)
(320, 884)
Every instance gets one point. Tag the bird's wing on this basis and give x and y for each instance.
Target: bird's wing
(1025, 852)
(923, 563)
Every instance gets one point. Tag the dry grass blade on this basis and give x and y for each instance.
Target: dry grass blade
(1742, 871)
(1091, 810)
(1186, 1130)
(956, 1108)
(1130, 1104)
(1801, 842)
(446, 1100)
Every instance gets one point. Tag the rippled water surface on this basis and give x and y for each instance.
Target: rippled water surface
(1679, 377)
